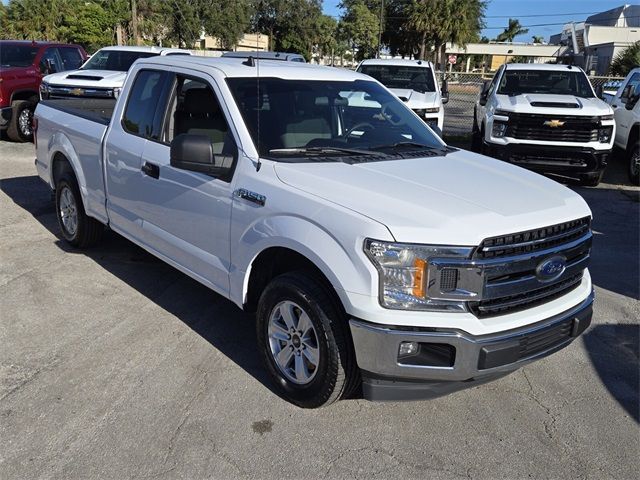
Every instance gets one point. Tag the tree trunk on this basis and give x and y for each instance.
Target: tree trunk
(423, 47)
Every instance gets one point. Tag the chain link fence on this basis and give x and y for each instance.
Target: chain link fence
(464, 89)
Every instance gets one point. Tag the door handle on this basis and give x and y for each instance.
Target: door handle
(151, 169)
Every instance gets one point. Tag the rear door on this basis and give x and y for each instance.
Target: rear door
(131, 129)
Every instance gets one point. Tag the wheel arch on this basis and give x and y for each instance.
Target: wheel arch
(31, 95)
(634, 135)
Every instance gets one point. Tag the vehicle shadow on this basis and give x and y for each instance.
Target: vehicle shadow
(613, 351)
(210, 315)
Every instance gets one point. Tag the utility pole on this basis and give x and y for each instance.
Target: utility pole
(134, 22)
(380, 28)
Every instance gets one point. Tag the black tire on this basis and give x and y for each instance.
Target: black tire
(18, 130)
(633, 163)
(88, 231)
(592, 180)
(337, 374)
(476, 139)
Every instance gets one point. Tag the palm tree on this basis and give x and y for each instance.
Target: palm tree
(513, 30)
(537, 39)
(626, 60)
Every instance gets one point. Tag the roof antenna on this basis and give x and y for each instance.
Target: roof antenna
(257, 64)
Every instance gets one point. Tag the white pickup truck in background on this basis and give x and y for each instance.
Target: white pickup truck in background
(372, 254)
(546, 118)
(102, 76)
(415, 83)
(626, 111)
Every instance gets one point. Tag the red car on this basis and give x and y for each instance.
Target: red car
(22, 66)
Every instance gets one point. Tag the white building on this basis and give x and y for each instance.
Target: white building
(594, 43)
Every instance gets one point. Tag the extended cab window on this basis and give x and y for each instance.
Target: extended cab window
(140, 113)
(194, 109)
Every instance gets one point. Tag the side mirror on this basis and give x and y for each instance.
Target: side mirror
(634, 96)
(445, 91)
(484, 93)
(195, 153)
(599, 91)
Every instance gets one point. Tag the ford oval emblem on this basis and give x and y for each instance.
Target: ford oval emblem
(551, 268)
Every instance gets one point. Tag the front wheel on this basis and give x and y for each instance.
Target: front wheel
(77, 227)
(20, 127)
(633, 169)
(304, 339)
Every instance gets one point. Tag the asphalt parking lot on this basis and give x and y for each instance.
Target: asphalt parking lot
(115, 365)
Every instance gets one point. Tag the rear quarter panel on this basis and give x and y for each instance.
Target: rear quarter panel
(80, 141)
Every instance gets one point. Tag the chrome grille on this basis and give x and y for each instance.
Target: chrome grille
(533, 240)
(507, 273)
(522, 301)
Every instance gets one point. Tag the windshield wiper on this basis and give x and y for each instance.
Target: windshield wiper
(319, 150)
(407, 144)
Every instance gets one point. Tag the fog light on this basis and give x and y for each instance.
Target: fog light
(408, 348)
(499, 129)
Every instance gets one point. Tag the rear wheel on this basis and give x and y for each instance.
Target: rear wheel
(77, 228)
(20, 127)
(633, 156)
(304, 338)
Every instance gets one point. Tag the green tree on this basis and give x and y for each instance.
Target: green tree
(361, 27)
(512, 31)
(88, 24)
(537, 39)
(182, 21)
(36, 19)
(226, 20)
(624, 61)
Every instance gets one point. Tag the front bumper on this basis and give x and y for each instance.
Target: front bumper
(5, 117)
(451, 360)
(552, 159)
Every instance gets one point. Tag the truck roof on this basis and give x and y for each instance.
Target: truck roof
(540, 66)
(396, 61)
(158, 50)
(36, 43)
(238, 67)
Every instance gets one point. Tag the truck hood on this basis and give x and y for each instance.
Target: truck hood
(457, 199)
(87, 78)
(415, 99)
(553, 104)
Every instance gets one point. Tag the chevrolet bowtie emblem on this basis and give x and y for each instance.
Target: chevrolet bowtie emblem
(77, 92)
(554, 123)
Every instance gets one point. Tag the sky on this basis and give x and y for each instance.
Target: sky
(545, 11)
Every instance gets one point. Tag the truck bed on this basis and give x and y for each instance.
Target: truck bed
(95, 109)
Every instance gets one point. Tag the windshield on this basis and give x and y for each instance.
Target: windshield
(117, 60)
(304, 114)
(419, 79)
(17, 55)
(517, 82)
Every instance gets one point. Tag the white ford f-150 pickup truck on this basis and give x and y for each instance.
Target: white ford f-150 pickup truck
(546, 118)
(373, 254)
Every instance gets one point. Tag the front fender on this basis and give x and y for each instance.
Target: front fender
(345, 265)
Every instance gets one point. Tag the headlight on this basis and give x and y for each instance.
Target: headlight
(499, 129)
(44, 91)
(403, 270)
(432, 110)
(502, 113)
(606, 117)
(116, 92)
(604, 134)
